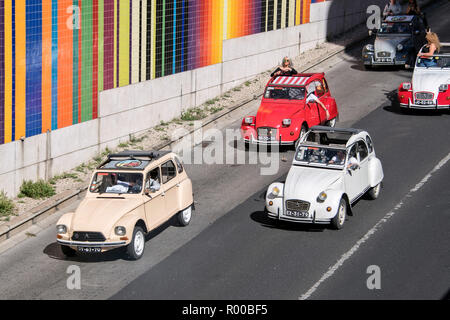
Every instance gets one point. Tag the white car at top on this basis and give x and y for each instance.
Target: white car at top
(429, 88)
(331, 170)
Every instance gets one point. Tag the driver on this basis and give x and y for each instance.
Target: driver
(339, 158)
(118, 186)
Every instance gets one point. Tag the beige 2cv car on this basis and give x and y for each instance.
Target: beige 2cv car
(131, 193)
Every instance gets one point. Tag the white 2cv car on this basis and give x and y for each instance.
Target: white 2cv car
(331, 170)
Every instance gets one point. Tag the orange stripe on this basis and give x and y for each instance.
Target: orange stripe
(65, 63)
(46, 66)
(20, 69)
(307, 10)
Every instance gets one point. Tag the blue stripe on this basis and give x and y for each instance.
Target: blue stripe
(54, 64)
(174, 34)
(75, 72)
(34, 67)
(13, 127)
(182, 38)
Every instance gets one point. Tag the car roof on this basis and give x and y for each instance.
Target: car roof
(299, 79)
(135, 160)
(401, 18)
(335, 137)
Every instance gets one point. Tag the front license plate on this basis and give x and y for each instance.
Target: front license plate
(297, 214)
(424, 102)
(89, 249)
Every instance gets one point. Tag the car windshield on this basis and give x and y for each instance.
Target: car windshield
(116, 182)
(389, 28)
(321, 155)
(435, 62)
(274, 92)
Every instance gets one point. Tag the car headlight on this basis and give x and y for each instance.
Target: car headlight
(369, 47)
(399, 47)
(248, 120)
(61, 229)
(287, 122)
(275, 191)
(322, 196)
(406, 86)
(120, 231)
(443, 87)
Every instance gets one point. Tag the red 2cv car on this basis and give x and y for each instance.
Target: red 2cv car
(288, 110)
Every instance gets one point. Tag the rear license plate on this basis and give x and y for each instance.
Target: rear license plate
(297, 214)
(424, 102)
(89, 249)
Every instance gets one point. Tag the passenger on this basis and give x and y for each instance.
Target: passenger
(413, 9)
(286, 68)
(153, 181)
(392, 9)
(427, 52)
(339, 158)
(311, 97)
(118, 186)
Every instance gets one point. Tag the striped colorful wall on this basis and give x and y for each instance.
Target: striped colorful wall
(57, 55)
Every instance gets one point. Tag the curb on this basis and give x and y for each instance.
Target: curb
(64, 202)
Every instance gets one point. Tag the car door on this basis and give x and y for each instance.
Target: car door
(155, 205)
(311, 108)
(171, 185)
(352, 177)
(363, 154)
(321, 94)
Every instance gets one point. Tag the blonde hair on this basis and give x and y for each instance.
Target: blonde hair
(284, 60)
(432, 37)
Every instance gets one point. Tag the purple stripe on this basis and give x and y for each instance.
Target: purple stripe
(118, 38)
(108, 45)
(257, 21)
(130, 42)
(2, 71)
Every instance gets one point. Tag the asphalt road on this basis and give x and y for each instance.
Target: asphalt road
(230, 249)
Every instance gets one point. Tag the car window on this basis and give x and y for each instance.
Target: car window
(362, 150)
(369, 144)
(320, 91)
(168, 171)
(353, 153)
(288, 93)
(325, 84)
(153, 179)
(179, 165)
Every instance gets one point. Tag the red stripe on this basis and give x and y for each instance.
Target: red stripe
(95, 62)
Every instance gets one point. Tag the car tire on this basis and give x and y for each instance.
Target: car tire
(185, 216)
(303, 131)
(339, 219)
(135, 249)
(332, 123)
(68, 251)
(374, 192)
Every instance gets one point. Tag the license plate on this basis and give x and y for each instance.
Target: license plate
(89, 249)
(266, 138)
(424, 102)
(297, 214)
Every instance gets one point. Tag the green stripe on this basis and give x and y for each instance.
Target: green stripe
(86, 60)
(75, 72)
(100, 44)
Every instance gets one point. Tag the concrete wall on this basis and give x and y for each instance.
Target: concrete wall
(135, 108)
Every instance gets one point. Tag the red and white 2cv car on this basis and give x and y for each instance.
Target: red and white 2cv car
(287, 110)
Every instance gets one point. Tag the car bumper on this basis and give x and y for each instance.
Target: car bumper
(112, 244)
(424, 107)
(312, 220)
(269, 143)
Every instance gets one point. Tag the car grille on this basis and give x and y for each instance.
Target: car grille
(424, 95)
(383, 54)
(267, 133)
(297, 205)
(88, 236)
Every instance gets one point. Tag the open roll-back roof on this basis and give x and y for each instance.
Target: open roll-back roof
(131, 160)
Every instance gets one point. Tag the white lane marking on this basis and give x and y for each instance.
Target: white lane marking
(369, 233)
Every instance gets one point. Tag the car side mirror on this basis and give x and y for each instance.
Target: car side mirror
(416, 32)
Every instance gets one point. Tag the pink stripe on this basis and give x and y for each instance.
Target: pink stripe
(299, 80)
(283, 80)
(290, 80)
(276, 80)
(305, 80)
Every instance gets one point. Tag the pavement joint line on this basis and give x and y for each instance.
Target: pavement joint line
(227, 112)
(374, 229)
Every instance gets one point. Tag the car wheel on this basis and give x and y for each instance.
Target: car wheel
(135, 249)
(303, 131)
(184, 216)
(68, 251)
(375, 191)
(339, 219)
(332, 123)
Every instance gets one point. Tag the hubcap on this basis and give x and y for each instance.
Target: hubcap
(342, 214)
(187, 214)
(139, 243)
(376, 190)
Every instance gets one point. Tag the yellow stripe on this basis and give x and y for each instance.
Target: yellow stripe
(283, 13)
(275, 6)
(144, 41)
(153, 52)
(124, 44)
(298, 13)
(220, 32)
(8, 71)
(20, 69)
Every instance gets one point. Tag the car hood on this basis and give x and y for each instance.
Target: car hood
(429, 79)
(271, 114)
(388, 43)
(100, 215)
(305, 183)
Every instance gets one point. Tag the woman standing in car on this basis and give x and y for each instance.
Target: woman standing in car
(427, 52)
(286, 68)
